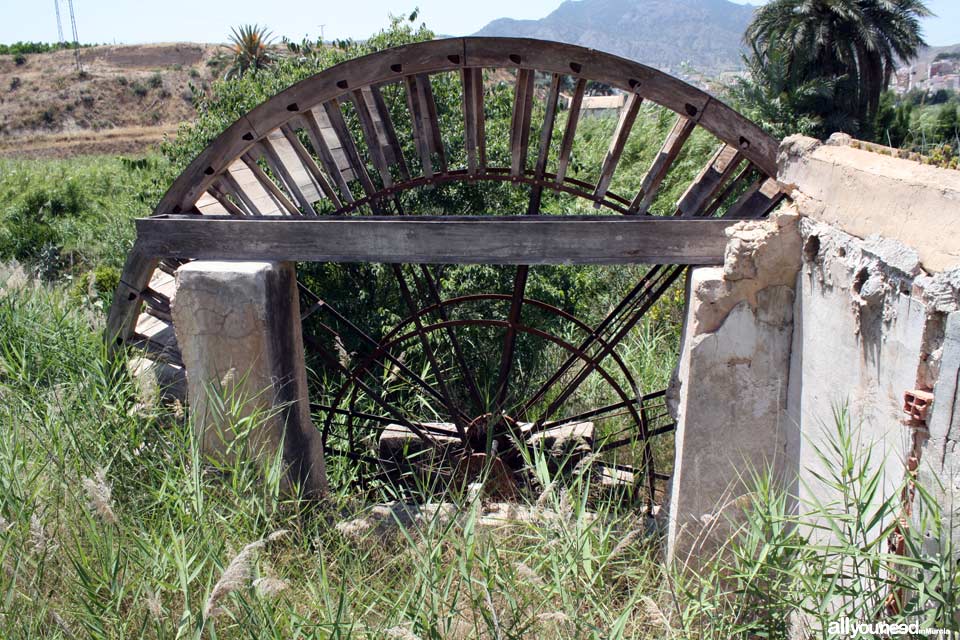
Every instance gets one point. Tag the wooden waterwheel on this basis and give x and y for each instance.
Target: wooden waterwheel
(320, 173)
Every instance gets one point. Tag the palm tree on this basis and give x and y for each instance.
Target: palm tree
(250, 46)
(783, 104)
(856, 43)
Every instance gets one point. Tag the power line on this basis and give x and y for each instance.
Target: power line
(56, 6)
(76, 38)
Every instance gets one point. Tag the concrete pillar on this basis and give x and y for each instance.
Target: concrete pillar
(238, 328)
(730, 390)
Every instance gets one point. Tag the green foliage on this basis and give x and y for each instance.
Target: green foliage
(855, 45)
(780, 569)
(113, 524)
(775, 97)
(60, 216)
(21, 48)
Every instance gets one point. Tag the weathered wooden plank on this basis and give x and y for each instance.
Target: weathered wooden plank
(229, 185)
(417, 120)
(345, 141)
(293, 165)
(660, 166)
(379, 133)
(762, 196)
(474, 122)
(432, 121)
(709, 182)
(439, 239)
(336, 166)
(423, 117)
(627, 117)
(573, 117)
(384, 123)
(268, 148)
(520, 122)
(264, 180)
(248, 187)
(209, 205)
(546, 135)
(318, 180)
(225, 202)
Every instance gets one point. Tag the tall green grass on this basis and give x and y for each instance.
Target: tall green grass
(115, 526)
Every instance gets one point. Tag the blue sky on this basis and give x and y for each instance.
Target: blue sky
(129, 21)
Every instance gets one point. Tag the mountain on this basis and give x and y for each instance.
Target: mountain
(929, 54)
(667, 34)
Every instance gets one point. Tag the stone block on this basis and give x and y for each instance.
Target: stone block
(238, 328)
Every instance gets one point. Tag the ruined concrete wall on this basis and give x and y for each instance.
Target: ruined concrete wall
(875, 301)
(857, 305)
(865, 193)
(730, 390)
(858, 344)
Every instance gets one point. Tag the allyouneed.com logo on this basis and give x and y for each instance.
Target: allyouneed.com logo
(850, 628)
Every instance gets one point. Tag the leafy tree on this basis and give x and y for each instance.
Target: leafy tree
(781, 103)
(250, 46)
(892, 124)
(947, 122)
(854, 43)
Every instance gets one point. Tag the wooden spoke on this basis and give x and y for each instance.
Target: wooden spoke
(345, 144)
(333, 159)
(573, 116)
(318, 180)
(271, 155)
(223, 198)
(546, 136)
(379, 133)
(620, 135)
(757, 201)
(671, 148)
(266, 183)
(474, 127)
(520, 122)
(708, 183)
(426, 129)
(259, 200)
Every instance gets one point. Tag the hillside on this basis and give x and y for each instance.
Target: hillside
(667, 34)
(928, 54)
(125, 100)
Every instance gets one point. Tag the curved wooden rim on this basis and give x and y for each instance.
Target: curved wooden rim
(455, 54)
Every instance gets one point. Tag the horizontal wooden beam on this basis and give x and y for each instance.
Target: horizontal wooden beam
(438, 239)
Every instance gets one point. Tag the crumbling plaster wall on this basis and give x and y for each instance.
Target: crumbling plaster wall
(856, 304)
(729, 393)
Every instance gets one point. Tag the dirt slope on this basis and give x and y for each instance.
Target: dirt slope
(125, 100)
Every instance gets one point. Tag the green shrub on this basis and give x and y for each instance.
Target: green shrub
(58, 215)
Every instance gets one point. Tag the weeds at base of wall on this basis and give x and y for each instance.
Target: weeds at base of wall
(114, 525)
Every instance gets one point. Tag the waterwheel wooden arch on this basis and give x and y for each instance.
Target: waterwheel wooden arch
(291, 181)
